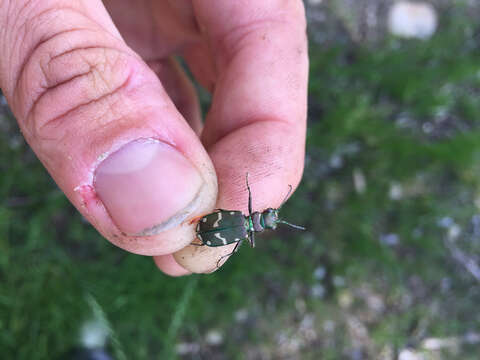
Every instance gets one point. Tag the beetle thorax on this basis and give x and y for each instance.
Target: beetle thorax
(257, 222)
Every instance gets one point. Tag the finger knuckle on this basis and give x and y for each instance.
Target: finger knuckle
(75, 88)
(271, 22)
(65, 73)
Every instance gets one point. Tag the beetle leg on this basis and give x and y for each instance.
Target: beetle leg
(249, 198)
(251, 238)
(228, 255)
(197, 244)
(195, 219)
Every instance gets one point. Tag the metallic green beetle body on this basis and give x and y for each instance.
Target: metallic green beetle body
(224, 227)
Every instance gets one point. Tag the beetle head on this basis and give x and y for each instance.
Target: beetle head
(270, 218)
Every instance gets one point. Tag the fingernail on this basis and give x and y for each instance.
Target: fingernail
(147, 187)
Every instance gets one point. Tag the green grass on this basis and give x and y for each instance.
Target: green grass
(374, 116)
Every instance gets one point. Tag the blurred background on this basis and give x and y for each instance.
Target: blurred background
(389, 267)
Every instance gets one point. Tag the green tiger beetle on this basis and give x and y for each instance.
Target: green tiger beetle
(224, 227)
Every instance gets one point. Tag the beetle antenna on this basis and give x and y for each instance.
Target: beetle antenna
(286, 196)
(293, 226)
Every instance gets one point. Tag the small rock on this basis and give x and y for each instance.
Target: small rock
(318, 291)
(94, 334)
(345, 299)
(407, 354)
(319, 273)
(375, 303)
(336, 161)
(338, 281)
(241, 315)
(412, 19)
(440, 343)
(214, 338)
(300, 305)
(359, 181)
(472, 338)
(396, 191)
(427, 127)
(187, 348)
(389, 239)
(454, 231)
(446, 222)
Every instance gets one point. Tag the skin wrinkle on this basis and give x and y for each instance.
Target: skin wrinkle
(57, 84)
(114, 34)
(38, 23)
(7, 35)
(52, 122)
(246, 123)
(93, 66)
(30, 56)
(60, 36)
(110, 108)
(5, 19)
(64, 138)
(26, 4)
(238, 35)
(69, 51)
(27, 27)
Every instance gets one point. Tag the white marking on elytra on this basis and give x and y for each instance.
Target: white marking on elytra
(224, 241)
(237, 239)
(232, 213)
(199, 236)
(204, 219)
(215, 224)
(209, 242)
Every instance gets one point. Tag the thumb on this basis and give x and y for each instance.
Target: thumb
(102, 124)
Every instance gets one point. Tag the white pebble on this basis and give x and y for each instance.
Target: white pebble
(396, 191)
(241, 315)
(407, 354)
(412, 19)
(214, 338)
(319, 273)
(318, 291)
(94, 334)
(359, 181)
(338, 281)
(454, 231)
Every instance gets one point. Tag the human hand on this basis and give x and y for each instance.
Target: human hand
(116, 122)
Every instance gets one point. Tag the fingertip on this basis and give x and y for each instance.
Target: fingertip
(203, 259)
(168, 265)
(274, 163)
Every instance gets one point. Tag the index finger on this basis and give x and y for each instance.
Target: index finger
(257, 120)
